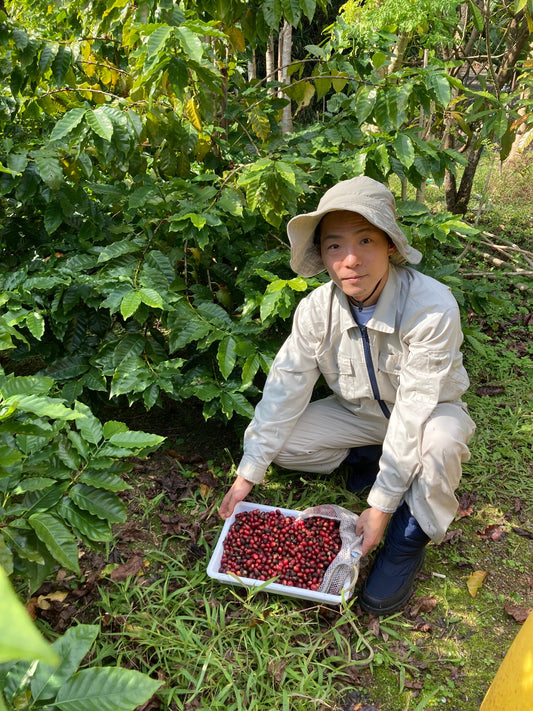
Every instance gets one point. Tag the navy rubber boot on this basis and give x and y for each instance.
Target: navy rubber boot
(362, 464)
(390, 582)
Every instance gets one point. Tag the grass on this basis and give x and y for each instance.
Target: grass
(225, 648)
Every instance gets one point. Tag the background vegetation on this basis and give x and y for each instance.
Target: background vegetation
(150, 156)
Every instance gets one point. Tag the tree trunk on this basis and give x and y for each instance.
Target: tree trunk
(270, 62)
(458, 202)
(284, 59)
(399, 52)
(252, 68)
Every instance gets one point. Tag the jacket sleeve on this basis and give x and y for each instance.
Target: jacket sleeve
(431, 373)
(286, 394)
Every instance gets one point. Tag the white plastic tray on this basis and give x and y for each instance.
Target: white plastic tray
(214, 564)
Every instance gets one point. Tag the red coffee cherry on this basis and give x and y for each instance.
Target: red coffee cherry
(266, 544)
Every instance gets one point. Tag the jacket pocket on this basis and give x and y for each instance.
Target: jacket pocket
(390, 367)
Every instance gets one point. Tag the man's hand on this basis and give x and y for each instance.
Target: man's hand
(372, 524)
(239, 491)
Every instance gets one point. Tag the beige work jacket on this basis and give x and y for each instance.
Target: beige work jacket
(415, 338)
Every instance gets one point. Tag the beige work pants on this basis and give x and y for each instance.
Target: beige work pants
(326, 431)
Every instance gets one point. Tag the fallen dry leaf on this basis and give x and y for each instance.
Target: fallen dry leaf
(420, 606)
(204, 490)
(475, 581)
(518, 612)
(489, 390)
(492, 532)
(44, 602)
(132, 567)
(452, 536)
(467, 503)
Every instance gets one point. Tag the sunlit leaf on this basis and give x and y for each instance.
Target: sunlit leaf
(475, 581)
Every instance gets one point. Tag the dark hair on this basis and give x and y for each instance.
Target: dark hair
(316, 236)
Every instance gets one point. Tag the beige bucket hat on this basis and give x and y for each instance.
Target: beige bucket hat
(363, 195)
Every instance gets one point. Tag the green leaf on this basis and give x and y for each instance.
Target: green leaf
(88, 425)
(42, 406)
(271, 10)
(151, 297)
(67, 123)
(500, 123)
(20, 638)
(477, 17)
(103, 504)
(404, 149)
(25, 384)
(130, 303)
(226, 356)
(100, 123)
(269, 302)
(440, 88)
(49, 168)
(191, 44)
(184, 330)
(112, 427)
(106, 689)
(157, 40)
(135, 440)
(231, 401)
(68, 455)
(92, 527)
(104, 480)
(61, 64)
(250, 368)
(53, 217)
(71, 648)
(297, 284)
(292, 11)
(9, 456)
(365, 101)
(6, 560)
(117, 249)
(57, 538)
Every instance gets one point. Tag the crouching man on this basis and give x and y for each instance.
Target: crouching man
(386, 340)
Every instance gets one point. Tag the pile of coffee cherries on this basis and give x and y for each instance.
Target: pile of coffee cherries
(266, 544)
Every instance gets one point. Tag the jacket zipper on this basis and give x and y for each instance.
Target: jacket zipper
(372, 372)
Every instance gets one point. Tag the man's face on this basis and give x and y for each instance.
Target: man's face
(355, 253)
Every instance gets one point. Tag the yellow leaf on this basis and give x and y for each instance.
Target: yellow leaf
(43, 601)
(204, 490)
(191, 112)
(475, 581)
(236, 38)
(260, 124)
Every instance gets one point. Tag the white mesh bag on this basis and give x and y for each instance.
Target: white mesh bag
(345, 565)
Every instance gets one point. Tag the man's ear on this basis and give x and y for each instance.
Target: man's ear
(392, 247)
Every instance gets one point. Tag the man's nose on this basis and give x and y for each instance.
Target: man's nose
(352, 257)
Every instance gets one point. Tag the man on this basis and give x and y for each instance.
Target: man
(386, 339)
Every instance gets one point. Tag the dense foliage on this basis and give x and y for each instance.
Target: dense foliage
(145, 182)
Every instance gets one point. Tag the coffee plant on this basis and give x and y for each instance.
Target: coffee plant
(60, 477)
(55, 680)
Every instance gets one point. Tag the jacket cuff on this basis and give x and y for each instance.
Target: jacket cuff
(251, 470)
(384, 500)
